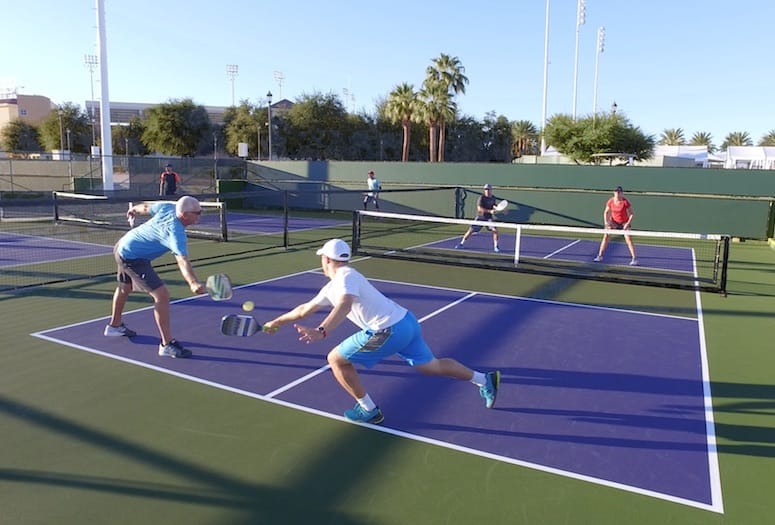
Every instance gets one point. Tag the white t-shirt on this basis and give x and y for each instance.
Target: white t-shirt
(370, 310)
(373, 185)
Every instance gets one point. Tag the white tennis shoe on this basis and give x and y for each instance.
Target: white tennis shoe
(118, 331)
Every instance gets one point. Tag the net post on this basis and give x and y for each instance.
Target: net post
(724, 266)
(286, 241)
(224, 228)
(56, 206)
(517, 241)
(356, 233)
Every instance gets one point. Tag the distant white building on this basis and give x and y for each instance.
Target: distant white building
(750, 157)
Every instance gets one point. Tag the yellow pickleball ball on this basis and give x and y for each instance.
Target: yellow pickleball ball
(248, 306)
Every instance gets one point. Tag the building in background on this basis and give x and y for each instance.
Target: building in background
(31, 109)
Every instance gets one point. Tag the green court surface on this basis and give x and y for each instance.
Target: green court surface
(87, 439)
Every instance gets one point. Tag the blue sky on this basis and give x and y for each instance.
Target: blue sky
(700, 66)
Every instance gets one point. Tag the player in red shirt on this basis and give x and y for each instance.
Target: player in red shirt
(617, 215)
(169, 181)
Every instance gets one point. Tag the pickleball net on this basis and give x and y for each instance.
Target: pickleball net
(665, 259)
(109, 212)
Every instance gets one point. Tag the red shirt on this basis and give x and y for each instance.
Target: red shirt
(619, 209)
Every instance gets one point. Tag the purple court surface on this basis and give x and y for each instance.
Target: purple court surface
(607, 396)
(668, 258)
(269, 224)
(16, 249)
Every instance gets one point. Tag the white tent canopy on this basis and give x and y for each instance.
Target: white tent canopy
(750, 157)
(698, 153)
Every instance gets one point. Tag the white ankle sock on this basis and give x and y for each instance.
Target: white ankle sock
(479, 379)
(366, 403)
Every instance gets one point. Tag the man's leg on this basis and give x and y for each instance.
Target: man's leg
(119, 301)
(448, 367)
(161, 312)
(346, 374)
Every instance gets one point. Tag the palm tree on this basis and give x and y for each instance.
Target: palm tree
(737, 138)
(401, 107)
(768, 139)
(524, 135)
(672, 137)
(703, 138)
(434, 105)
(447, 74)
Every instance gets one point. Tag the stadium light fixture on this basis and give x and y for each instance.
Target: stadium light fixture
(91, 62)
(581, 17)
(231, 72)
(600, 49)
(269, 118)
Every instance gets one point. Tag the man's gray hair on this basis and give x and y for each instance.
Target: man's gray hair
(187, 203)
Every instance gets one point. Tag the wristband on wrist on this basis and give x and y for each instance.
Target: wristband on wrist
(322, 330)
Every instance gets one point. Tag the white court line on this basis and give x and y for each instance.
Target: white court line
(555, 252)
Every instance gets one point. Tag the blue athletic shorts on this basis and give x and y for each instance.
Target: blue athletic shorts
(403, 339)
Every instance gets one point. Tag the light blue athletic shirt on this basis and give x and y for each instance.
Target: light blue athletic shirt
(161, 234)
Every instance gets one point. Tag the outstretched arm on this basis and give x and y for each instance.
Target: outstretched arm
(187, 271)
(142, 208)
(332, 320)
(300, 312)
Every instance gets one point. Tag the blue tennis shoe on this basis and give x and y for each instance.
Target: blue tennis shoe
(361, 415)
(490, 390)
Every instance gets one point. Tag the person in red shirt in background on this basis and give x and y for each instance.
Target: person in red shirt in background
(617, 215)
(169, 181)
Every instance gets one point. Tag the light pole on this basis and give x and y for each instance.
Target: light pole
(258, 129)
(91, 62)
(231, 72)
(581, 15)
(69, 157)
(61, 132)
(269, 118)
(614, 107)
(546, 80)
(215, 157)
(600, 48)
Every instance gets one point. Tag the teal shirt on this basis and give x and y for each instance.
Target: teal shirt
(161, 234)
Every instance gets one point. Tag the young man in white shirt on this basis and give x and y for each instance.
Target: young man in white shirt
(386, 328)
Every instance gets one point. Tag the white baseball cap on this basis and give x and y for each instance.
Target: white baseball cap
(488, 186)
(335, 249)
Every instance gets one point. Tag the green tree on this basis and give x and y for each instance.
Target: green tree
(672, 137)
(127, 140)
(400, 109)
(703, 138)
(435, 106)
(20, 136)
(53, 130)
(315, 127)
(244, 123)
(178, 127)
(496, 132)
(607, 133)
(768, 139)
(525, 138)
(446, 73)
(737, 138)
